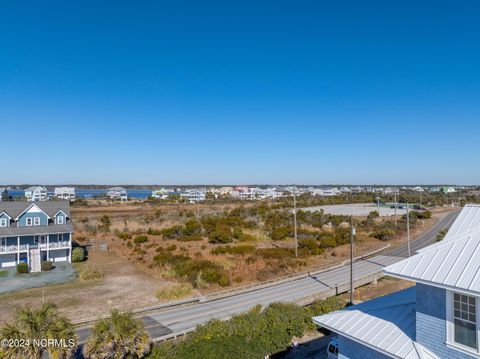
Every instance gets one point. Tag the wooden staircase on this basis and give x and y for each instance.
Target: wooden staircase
(35, 262)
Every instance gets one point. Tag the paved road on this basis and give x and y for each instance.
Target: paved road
(182, 318)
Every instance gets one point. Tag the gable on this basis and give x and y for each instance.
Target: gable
(32, 209)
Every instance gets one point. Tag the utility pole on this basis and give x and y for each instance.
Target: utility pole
(408, 231)
(352, 235)
(295, 220)
(395, 191)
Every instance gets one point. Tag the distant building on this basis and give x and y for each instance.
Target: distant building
(438, 318)
(3, 194)
(65, 193)
(35, 232)
(117, 194)
(418, 189)
(326, 192)
(36, 194)
(193, 195)
(448, 190)
(162, 193)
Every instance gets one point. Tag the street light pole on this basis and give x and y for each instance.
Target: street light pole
(408, 231)
(295, 220)
(352, 235)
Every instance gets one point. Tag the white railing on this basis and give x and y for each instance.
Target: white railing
(55, 245)
(14, 249)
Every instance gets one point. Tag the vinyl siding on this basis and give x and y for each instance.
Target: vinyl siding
(431, 322)
(22, 221)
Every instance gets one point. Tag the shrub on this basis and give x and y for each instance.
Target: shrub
(384, 235)
(171, 248)
(3, 273)
(274, 253)
(328, 242)
(174, 292)
(124, 235)
(220, 236)
(22, 268)
(191, 239)
(154, 232)
(78, 254)
(140, 239)
(281, 233)
(311, 245)
(240, 250)
(90, 274)
(441, 234)
(247, 238)
(47, 265)
(192, 227)
(172, 232)
(105, 223)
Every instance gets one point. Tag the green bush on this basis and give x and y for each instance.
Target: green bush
(22, 268)
(47, 265)
(220, 236)
(311, 245)
(192, 227)
(240, 250)
(275, 253)
(3, 273)
(172, 232)
(281, 233)
(124, 235)
(176, 291)
(78, 254)
(194, 238)
(328, 241)
(384, 235)
(140, 239)
(154, 232)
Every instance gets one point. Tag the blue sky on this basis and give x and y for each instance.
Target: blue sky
(186, 92)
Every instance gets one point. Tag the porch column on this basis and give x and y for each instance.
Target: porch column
(18, 249)
(70, 248)
(48, 246)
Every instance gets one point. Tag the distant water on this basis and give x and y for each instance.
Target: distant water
(90, 193)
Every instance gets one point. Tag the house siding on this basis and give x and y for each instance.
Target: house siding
(431, 322)
(349, 349)
(22, 221)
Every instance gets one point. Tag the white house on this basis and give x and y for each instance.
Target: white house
(65, 193)
(36, 194)
(418, 189)
(117, 194)
(162, 193)
(193, 195)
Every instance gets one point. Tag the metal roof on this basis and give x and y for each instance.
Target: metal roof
(453, 264)
(467, 221)
(386, 324)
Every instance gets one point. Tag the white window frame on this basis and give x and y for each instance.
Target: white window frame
(450, 340)
(29, 221)
(60, 219)
(36, 221)
(3, 222)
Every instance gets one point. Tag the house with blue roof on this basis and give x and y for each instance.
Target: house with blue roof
(33, 232)
(437, 318)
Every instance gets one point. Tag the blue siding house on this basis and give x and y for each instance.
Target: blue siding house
(437, 318)
(33, 232)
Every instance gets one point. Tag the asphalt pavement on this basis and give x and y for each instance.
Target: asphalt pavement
(182, 318)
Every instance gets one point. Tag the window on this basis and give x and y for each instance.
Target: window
(60, 220)
(465, 320)
(3, 222)
(28, 222)
(36, 221)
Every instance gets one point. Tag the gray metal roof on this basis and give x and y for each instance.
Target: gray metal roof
(386, 324)
(467, 221)
(14, 208)
(36, 230)
(452, 264)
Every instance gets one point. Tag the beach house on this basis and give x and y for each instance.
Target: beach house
(36, 194)
(117, 194)
(33, 232)
(437, 318)
(65, 193)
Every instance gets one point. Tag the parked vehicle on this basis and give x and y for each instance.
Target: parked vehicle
(332, 349)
